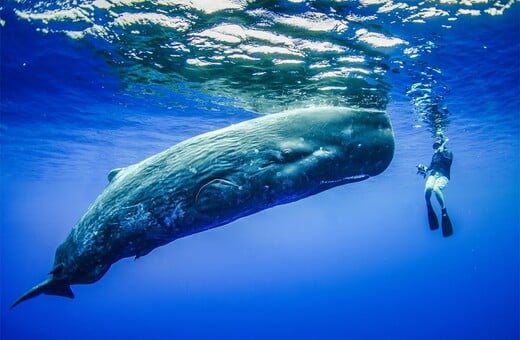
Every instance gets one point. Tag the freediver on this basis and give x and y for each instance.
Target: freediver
(437, 177)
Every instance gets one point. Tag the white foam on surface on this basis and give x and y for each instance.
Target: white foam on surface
(378, 39)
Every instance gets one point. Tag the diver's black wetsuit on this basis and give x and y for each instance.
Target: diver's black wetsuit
(441, 163)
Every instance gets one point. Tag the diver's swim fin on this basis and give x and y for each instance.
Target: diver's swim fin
(432, 218)
(447, 228)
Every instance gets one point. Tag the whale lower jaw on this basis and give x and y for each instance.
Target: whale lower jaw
(345, 180)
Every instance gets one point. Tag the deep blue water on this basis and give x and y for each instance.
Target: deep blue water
(354, 262)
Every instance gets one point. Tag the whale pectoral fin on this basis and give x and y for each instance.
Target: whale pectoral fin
(220, 194)
(113, 173)
(49, 287)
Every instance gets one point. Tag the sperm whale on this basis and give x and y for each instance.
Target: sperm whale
(215, 178)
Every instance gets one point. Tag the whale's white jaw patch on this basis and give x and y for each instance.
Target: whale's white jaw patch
(348, 179)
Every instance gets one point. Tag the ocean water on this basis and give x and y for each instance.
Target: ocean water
(88, 86)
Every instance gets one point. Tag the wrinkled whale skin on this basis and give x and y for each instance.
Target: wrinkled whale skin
(215, 178)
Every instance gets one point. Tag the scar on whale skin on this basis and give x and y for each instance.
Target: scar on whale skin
(215, 178)
(219, 193)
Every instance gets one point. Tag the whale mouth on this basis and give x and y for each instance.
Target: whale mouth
(348, 179)
(50, 287)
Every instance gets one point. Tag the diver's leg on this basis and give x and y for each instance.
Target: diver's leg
(428, 187)
(440, 184)
(432, 218)
(440, 197)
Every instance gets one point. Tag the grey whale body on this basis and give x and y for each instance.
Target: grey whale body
(215, 178)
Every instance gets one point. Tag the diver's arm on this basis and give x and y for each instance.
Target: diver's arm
(444, 143)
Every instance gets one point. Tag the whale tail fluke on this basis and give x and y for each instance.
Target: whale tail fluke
(49, 287)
